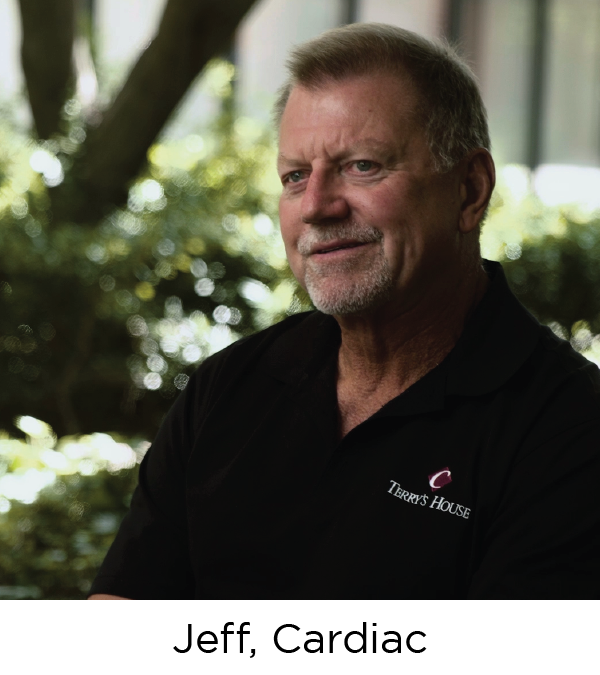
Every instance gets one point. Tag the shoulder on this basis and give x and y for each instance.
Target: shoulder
(234, 370)
(275, 349)
(506, 354)
(567, 361)
(253, 347)
(559, 390)
(562, 369)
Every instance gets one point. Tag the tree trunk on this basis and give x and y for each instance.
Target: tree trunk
(191, 32)
(47, 58)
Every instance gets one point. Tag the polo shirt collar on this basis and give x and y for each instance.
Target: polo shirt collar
(496, 341)
(304, 350)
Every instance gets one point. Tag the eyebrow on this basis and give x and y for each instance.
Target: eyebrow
(366, 144)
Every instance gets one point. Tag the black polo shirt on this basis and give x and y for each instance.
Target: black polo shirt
(480, 480)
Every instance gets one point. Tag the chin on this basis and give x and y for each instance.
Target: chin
(352, 297)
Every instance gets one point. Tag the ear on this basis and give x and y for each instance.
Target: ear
(478, 178)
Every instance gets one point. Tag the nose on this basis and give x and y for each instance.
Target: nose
(323, 200)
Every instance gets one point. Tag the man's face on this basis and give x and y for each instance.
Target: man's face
(366, 220)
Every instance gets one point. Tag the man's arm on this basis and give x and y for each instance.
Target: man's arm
(149, 557)
(105, 596)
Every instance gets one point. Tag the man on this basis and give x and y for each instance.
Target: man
(421, 435)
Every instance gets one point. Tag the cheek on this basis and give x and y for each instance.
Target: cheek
(286, 225)
(290, 238)
(409, 233)
(290, 233)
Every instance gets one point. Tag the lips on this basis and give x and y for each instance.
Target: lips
(336, 239)
(338, 245)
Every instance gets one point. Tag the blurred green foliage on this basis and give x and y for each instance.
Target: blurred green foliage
(558, 276)
(100, 326)
(551, 256)
(61, 503)
(52, 549)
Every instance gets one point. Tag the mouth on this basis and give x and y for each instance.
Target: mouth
(339, 245)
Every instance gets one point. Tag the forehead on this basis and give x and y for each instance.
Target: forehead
(379, 108)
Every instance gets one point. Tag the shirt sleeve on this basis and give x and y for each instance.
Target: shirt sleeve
(149, 558)
(544, 540)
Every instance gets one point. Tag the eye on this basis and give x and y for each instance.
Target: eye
(364, 165)
(294, 177)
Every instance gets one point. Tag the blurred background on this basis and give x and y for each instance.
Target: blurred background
(139, 233)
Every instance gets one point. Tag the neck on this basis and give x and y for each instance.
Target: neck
(384, 353)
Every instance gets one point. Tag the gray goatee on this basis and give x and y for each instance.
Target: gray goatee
(348, 286)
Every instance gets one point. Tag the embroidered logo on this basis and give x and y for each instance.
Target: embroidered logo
(440, 478)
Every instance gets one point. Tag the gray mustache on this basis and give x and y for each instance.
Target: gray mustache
(364, 234)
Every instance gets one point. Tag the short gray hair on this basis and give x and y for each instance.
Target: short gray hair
(453, 114)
